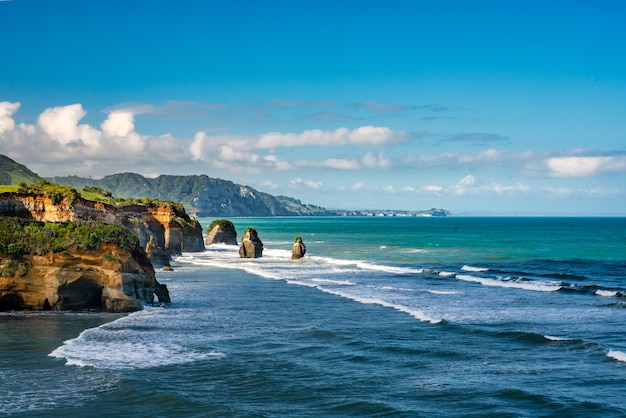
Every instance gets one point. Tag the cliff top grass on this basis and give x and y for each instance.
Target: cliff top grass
(223, 223)
(57, 193)
(20, 237)
(5, 188)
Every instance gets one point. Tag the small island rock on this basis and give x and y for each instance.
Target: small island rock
(251, 245)
(221, 232)
(298, 250)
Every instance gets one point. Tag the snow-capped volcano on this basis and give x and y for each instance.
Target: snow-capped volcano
(469, 180)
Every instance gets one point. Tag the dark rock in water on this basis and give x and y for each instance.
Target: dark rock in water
(251, 245)
(298, 250)
(161, 292)
(221, 232)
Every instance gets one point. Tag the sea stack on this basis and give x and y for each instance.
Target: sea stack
(156, 254)
(221, 231)
(251, 245)
(298, 250)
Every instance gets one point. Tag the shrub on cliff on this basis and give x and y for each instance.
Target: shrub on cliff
(55, 192)
(223, 223)
(19, 237)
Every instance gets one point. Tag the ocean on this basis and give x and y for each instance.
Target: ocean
(384, 316)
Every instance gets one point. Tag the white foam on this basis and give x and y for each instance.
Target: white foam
(120, 345)
(516, 284)
(446, 273)
(474, 269)
(416, 313)
(388, 269)
(444, 292)
(617, 355)
(607, 293)
(553, 338)
(339, 282)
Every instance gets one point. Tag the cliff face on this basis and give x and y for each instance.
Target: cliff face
(172, 233)
(110, 279)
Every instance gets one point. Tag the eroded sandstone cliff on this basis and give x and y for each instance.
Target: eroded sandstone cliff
(172, 229)
(110, 279)
(59, 251)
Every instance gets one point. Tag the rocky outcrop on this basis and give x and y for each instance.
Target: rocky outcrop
(157, 255)
(251, 245)
(110, 279)
(298, 249)
(221, 232)
(173, 231)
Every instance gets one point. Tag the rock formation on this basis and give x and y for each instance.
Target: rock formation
(110, 279)
(221, 232)
(59, 251)
(298, 249)
(251, 245)
(172, 229)
(156, 254)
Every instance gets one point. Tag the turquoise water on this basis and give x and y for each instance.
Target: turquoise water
(383, 317)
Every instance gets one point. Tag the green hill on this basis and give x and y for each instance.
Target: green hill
(13, 173)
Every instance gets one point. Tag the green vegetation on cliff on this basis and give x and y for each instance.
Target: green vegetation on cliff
(20, 237)
(58, 193)
(223, 223)
(55, 192)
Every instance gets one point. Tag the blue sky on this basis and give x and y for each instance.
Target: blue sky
(343, 104)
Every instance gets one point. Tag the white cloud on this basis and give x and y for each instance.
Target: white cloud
(340, 164)
(297, 182)
(432, 188)
(581, 166)
(372, 161)
(6, 112)
(119, 123)
(61, 124)
(365, 135)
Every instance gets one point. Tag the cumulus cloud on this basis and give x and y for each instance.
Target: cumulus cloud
(61, 124)
(119, 123)
(6, 112)
(365, 135)
(584, 166)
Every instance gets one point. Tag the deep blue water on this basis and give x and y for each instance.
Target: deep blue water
(383, 317)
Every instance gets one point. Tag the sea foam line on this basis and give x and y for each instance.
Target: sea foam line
(416, 313)
(525, 285)
(474, 269)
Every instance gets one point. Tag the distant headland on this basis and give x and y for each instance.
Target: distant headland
(201, 195)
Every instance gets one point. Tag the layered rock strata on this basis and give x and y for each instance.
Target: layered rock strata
(110, 279)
